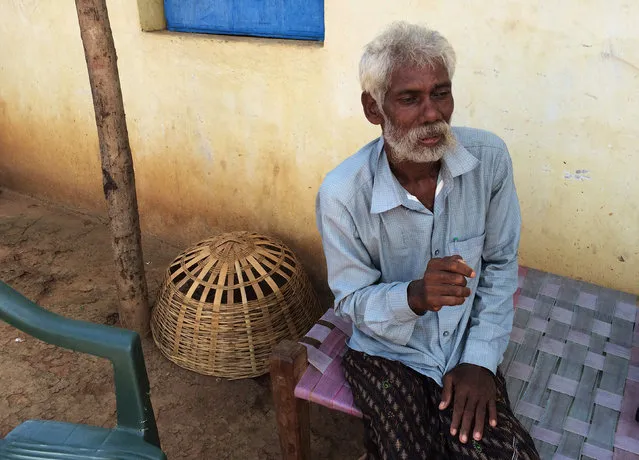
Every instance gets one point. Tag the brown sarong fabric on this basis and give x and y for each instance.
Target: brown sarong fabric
(403, 421)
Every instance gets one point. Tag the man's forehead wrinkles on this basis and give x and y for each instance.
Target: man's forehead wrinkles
(418, 77)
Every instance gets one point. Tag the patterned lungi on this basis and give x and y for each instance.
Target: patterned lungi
(403, 421)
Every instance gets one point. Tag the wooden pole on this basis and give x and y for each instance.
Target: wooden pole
(117, 163)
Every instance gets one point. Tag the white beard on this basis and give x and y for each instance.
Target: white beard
(406, 146)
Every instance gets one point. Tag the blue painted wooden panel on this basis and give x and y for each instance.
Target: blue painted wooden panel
(299, 19)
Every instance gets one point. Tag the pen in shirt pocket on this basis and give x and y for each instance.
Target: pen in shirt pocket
(455, 250)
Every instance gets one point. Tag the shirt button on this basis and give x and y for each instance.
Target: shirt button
(437, 252)
(446, 333)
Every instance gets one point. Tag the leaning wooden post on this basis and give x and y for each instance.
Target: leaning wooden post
(117, 164)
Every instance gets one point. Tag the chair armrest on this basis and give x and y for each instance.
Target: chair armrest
(121, 346)
(90, 338)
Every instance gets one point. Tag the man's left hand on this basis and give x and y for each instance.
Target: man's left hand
(474, 392)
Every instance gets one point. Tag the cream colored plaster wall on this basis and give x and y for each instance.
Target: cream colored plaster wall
(237, 133)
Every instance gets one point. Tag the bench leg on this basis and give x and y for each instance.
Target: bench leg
(288, 363)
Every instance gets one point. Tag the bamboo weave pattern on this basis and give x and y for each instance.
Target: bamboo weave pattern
(226, 302)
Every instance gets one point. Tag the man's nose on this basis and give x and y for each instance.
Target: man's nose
(429, 112)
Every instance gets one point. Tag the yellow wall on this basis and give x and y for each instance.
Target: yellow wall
(237, 133)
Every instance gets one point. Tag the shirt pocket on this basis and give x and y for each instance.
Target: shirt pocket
(470, 249)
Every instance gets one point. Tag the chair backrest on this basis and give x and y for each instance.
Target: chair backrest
(122, 347)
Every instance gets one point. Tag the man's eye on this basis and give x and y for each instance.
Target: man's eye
(408, 100)
(441, 94)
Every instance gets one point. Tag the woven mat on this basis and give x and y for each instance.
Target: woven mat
(324, 382)
(572, 349)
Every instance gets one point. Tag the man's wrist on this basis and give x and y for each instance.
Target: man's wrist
(481, 353)
(483, 368)
(415, 296)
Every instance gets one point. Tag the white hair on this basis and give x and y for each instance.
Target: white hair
(402, 44)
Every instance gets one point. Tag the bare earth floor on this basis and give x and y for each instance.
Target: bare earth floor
(62, 260)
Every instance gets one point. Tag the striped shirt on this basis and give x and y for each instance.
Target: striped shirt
(377, 238)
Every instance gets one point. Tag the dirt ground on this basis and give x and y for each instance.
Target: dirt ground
(62, 260)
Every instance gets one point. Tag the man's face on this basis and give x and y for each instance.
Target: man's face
(417, 111)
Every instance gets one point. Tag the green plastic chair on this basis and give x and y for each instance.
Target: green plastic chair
(136, 434)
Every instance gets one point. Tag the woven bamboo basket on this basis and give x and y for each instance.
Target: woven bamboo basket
(225, 303)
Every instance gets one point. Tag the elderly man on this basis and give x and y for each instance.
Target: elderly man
(420, 230)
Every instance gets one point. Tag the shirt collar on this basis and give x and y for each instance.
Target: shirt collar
(386, 189)
(459, 161)
(388, 192)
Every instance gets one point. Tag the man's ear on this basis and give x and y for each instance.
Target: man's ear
(371, 109)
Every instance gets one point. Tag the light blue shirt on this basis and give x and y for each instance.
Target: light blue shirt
(377, 238)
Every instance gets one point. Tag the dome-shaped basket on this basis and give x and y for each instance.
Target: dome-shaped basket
(225, 303)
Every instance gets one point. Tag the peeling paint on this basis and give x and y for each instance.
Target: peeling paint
(579, 175)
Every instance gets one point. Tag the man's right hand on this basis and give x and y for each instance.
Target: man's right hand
(443, 284)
